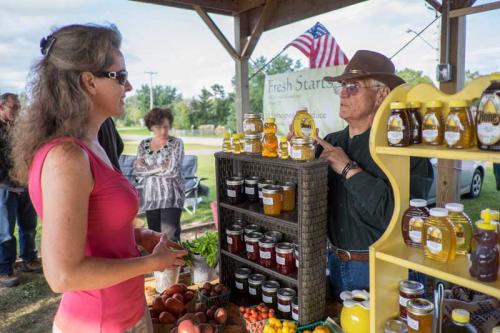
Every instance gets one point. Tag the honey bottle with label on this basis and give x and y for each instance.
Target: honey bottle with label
(439, 238)
(226, 143)
(235, 145)
(270, 141)
(303, 124)
(413, 222)
(432, 124)
(463, 227)
(488, 117)
(283, 151)
(415, 121)
(484, 258)
(459, 126)
(398, 126)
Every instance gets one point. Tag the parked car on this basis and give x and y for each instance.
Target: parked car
(471, 179)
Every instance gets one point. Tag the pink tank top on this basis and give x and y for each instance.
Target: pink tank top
(113, 204)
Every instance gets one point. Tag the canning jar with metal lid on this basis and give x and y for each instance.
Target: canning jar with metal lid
(295, 309)
(241, 279)
(249, 228)
(420, 315)
(274, 235)
(395, 326)
(234, 238)
(285, 298)
(408, 290)
(253, 144)
(234, 191)
(252, 123)
(296, 254)
(272, 197)
(255, 286)
(288, 196)
(270, 292)
(267, 254)
(302, 149)
(252, 245)
(251, 190)
(239, 221)
(261, 184)
(284, 258)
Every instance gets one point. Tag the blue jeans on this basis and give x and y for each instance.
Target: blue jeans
(347, 275)
(16, 207)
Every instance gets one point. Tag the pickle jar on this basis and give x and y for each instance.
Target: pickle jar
(267, 252)
(295, 309)
(285, 263)
(270, 293)
(253, 144)
(252, 123)
(255, 286)
(251, 189)
(302, 149)
(288, 196)
(432, 124)
(459, 126)
(285, 298)
(241, 279)
(252, 245)
(276, 236)
(415, 121)
(249, 228)
(408, 290)
(272, 198)
(234, 190)
(234, 238)
(261, 184)
(420, 315)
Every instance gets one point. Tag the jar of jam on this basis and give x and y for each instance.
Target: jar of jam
(295, 309)
(241, 279)
(255, 286)
(252, 245)
(432, 125)
(284, 258)
(272, 198)
(276, 236)
(415, 121)
(249, 228)
(251, 190)
(270, 293)
(234, 238)
(420, 314)
(261, 184)
(413, 222)
(288, 196)
(408, 290)
(267, 254)
(285, 297)
(296, 255)
(234, 190)
(252, 123)
(253, 144)
(398, 126)
(302, 149)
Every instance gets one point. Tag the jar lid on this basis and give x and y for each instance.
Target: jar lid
(251, 228)
(411, 287)
(418, 203)
(295, 302)
(398, 105)
(302, 108)
(419, 306)
(301, 141)
(267, 243)
(270, 286)
(254, 236)
(439, 212)
(414, 104)
(234, 229)
(252, 180)
(270, 120)
(234, 181)
(274, 235)
(458, 103)
(242, 272)
(395, 326)
(272, 189)
(284, 248)
(286, 294)
(287, 186)
(251, 115)
(460, 316)
(494, 214)
(253, 136)
(265, 182)
(455, 207)
(256, 278)
(433, 104)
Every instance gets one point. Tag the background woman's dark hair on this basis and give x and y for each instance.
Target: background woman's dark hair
(156, 117)
(59, 105)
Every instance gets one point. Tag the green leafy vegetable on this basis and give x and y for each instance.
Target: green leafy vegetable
(207, 246)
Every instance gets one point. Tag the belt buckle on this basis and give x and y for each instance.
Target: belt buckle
(349, 258)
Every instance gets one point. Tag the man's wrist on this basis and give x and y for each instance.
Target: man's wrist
(350, 166)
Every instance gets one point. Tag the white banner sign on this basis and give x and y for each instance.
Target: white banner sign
(285, 93)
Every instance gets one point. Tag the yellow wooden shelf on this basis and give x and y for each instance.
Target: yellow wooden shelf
(442, 152)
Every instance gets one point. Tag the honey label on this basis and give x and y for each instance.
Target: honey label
(249, 248)
(283, 308)
(231, 193)
(248, 148)
(306, 131)
(280, 260)
(239, 285)
(415, 229)
(451, 137)
(412, 323)
(395, 137)
(250, 190)
(252, 291)
(296, 154)
(267, 201)
(488, 133)
(434, 240)
(249, 127)
(229, 240)
(430, 135)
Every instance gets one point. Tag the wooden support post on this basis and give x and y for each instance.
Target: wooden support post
(265, 16)
(241, 33)
(452, 52)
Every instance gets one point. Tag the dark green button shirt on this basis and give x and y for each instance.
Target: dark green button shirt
(360, 208)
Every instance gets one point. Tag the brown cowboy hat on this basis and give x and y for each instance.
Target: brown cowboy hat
(369, 65)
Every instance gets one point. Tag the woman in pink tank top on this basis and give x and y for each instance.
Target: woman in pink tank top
(89, 244)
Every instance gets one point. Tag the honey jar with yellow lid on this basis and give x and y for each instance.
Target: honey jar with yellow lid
(253, 144)
(303, 124)
(459, 125)
(432, 124)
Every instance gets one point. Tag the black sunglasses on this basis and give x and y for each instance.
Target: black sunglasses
(120, 76)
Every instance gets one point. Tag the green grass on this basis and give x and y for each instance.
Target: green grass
(489, 197)
(131, 147)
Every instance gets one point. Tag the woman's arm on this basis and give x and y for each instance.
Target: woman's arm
(173, 169)
(66, 186)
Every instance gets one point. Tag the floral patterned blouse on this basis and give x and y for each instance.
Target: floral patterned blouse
(162, 172)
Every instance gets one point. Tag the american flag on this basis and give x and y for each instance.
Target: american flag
(320, 47)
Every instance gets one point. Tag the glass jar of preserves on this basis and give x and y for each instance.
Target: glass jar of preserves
(295, 309)
(303, 124)
(270, 142)
(463, 227)
(398, 126)
(251, 190)
(234, 190)
(267, 253)
(285, 298)
(252, 123)
(249, 228)
(272, 199)
(415, 121)
(234, 238)
(408, 290)
(395, 326)
(252, 245)
(439, 238)
(283, 151)
(261, 184)
(285, 262)
(235, 144)
(459, 125)
(413, 222)
(288, 196)
(255, 286)
(226, 143)
(296, 255)
(253, 144)
(241, 279)
(420, 314)
(270, 293)
(302, 149)
(432, 124)
(276, 236)
(488, 117)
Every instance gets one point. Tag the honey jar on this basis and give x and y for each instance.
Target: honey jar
(459, 126)
(288, 196)
(432, 124)
(412, 224)
(283, 149)
(226, 143)
(439, 238)
(236, 144)
(302, 149)
(270, 141)
(303, 124)
(408, 290)
(261, 184)
(253, 144)
(252, 123)
(420, 315)
(415, 121)
(272, 198)
(398, 125)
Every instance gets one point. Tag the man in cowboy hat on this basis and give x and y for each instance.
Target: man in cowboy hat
(360, 198)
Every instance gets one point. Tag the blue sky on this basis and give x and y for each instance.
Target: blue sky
(177, 44)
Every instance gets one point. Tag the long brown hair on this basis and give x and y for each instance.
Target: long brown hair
(59, 105)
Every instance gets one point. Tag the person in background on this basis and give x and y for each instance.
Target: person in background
(90, 247)
(110, 140)
(159, 161)
(15, 205)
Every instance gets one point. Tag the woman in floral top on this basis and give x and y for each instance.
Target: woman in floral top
(159, 161)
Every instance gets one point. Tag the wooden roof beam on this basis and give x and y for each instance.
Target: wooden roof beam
(435, 4)
(223, 7)
(474, 9)
(264, 19)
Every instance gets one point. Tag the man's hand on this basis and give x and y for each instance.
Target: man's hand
(336, 156)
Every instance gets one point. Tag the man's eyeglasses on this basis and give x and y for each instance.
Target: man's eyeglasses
(120, 76)
(350, 88)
